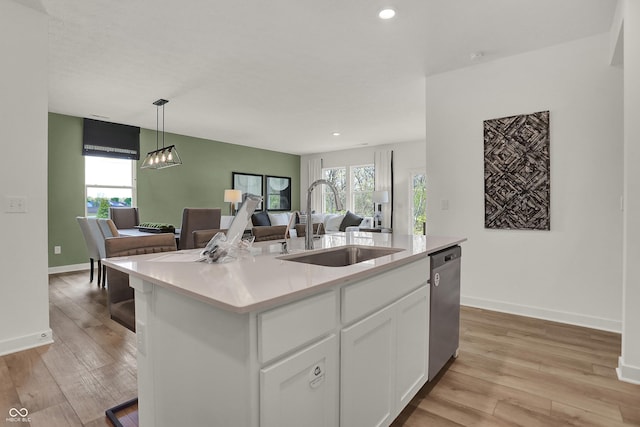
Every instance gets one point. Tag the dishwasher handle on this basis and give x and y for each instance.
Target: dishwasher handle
(446, 256)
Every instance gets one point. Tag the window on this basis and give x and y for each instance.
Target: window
(338, 177)
(418, 202)
(362, 186)
(355, 185)
(109, 183)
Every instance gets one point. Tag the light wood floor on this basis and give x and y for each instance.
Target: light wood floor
(511, 371)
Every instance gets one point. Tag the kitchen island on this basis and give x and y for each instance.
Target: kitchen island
(267, 341)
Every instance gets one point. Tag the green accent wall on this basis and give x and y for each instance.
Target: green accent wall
(161, 194)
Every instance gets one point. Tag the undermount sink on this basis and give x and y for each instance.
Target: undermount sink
(342, 256)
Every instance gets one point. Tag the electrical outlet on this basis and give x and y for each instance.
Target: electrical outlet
(57, 250)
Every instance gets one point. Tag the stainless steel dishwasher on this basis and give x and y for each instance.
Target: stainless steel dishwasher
(444, 322)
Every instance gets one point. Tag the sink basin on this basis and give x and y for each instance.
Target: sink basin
(342, 256)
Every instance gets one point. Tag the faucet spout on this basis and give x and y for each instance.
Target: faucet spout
(308, 238)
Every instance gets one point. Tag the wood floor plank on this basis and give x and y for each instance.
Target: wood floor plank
(33, 382)
(61, 415)
(484, 395)
(88, 397)
(460, 413)
(78, 341)
(537, 383)
(579, 417)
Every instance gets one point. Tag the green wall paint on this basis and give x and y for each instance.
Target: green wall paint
(65, 190)
(161, 194)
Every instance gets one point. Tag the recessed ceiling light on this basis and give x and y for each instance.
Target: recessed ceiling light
(387, 13)
(336, 134)
(476, 55)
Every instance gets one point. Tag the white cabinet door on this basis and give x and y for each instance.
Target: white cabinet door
(412, 313)
(302, 390)
(367, 362)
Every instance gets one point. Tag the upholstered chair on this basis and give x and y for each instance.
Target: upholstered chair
(108, 228)
(98, 237)
(124, 217)
(197, 219)
(121, 296)
(92, 247)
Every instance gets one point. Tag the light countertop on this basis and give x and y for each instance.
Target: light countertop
(261, 280)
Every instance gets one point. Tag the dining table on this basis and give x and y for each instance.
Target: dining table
(129, 232)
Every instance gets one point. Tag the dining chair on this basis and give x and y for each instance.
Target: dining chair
(98, 237)
(197, 219)
(108, 228)
(202, 237)
(124, 217)
(92, 247)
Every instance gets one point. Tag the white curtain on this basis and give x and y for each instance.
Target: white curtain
(383, 161)
(315, 173)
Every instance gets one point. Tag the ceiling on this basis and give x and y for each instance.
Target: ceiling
(285, 74)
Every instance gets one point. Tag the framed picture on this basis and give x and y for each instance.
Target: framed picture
(248, 183)
(278, 196)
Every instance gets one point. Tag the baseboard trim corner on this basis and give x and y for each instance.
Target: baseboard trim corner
(628, 373)
(26, 342)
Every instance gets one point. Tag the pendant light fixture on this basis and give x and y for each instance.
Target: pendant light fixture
(164, 157)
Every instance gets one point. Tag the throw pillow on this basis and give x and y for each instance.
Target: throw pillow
(260, 219)
(350, 220)
(279, 218)
(332, 222)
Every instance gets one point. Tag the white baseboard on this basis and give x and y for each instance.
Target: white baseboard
(26, 342)
(628, 373)
(70, 268)
(545, 314)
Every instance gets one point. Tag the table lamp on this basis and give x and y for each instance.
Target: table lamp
(378, 198)
(232, 197)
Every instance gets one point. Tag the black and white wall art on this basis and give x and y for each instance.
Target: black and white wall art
(516, 172)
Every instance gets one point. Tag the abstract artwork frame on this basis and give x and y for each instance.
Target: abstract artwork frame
(278, 193)
(248, 183)
(517, 178)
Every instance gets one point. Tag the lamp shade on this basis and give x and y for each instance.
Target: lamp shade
(380, 197)
(232, 196)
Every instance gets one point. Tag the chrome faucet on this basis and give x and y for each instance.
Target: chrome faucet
(308, 238)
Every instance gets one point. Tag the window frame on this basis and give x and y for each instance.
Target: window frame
(349, 192)
(133, 187)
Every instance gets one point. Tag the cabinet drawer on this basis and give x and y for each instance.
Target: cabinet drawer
(369, 295)
(286, 328)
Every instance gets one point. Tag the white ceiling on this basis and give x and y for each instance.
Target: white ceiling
(284, 74)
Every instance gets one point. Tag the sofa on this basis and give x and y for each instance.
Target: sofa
(272, 226)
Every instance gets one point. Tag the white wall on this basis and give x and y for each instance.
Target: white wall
(407, 157)
(629, 365)
(24, 297)
(573, 272)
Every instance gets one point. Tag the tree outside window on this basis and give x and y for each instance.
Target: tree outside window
(362, 186)
(355, 185)
(419, 202)
(337, 177)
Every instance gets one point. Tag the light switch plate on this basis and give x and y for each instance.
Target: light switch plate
(15, 204)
